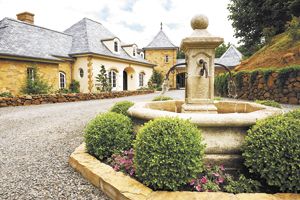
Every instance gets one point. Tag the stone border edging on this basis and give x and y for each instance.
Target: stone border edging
(59, 98)
(119, 186)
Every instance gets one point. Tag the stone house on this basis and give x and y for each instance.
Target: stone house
(60, 57)
(162, 52)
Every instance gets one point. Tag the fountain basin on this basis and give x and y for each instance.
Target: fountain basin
(223, 132)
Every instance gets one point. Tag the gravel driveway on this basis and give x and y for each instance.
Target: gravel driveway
(36, 141)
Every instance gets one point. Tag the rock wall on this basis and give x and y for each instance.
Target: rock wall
(59, 98)
(281, 86)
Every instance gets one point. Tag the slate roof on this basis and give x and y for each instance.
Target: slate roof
(161, 41)
(21, 39)
(231, 58)
(26, 40)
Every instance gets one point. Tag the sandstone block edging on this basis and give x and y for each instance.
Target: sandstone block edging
(119, 186)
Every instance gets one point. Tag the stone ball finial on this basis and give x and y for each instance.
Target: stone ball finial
(199, 22)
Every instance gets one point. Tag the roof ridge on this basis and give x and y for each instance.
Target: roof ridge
(156, 38)
(92, 20)
(234, 49)
(86, 32)
(21, 22)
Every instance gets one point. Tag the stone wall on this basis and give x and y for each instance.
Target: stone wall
(282, 86)
(59, 98)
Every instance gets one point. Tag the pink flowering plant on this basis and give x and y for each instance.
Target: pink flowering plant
(123, 162)
(211, 180)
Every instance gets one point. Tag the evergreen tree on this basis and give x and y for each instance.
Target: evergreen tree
(103, 81)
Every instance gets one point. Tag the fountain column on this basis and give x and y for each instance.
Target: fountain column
(199, 49)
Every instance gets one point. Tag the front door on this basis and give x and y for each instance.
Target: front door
(125, 80)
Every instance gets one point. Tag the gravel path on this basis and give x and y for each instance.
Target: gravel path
(36, 141)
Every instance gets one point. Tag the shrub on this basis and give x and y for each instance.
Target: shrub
(221, 84)
(272, 149)
(162, 98)
(35, 84)
(217, 98)
(63, 91)
(293, 28)
(122, 107)
(168, 153)
(107, 134)
(269, 103)
(242, 185)
(74, 86)
(156, 80)
(6, 94)
(294, 114)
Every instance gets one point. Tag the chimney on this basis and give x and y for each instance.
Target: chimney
(26, 17)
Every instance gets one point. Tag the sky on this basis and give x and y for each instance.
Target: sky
(133, 21)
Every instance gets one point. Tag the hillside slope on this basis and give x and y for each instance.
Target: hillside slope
(281, 52)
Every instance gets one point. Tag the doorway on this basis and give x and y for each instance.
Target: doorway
(125, 80)
(180, 80)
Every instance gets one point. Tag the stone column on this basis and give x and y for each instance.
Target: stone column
(90, 73)
(199, 91)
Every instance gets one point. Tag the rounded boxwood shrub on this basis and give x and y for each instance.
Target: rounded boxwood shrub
(272, 150)
(168, 153)
(107, 134)
(122, 107)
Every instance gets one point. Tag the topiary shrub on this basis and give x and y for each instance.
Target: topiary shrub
(6, 94)
(122, 107)
(272, 149)
(269, 103)
(162, 98)
(168, 153)
(107, 134)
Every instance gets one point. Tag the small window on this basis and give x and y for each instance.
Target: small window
(81, 72)
(141, 79)
(142, 55)
(166, 58)
(116, 46)
(134, 52)
(112, 77)
(62, 80)
(30, 73)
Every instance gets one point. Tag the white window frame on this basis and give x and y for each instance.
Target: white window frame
(62, 80)
(141, 79)
(112, 77)
(142, 55)
(30, 73)
(116, 46)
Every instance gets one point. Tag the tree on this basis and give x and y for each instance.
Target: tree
(220, 50)
(155, 80)
(103, 81)
(251, 17)
(180, 55)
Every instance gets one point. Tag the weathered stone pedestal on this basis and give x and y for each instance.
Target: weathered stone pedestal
(199, 49)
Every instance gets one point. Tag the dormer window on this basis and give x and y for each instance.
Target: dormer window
(116, 46)
(134, 52)
(142, 55)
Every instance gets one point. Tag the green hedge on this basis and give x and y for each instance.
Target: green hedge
(168, 153)
(162, 98)
(122, 107)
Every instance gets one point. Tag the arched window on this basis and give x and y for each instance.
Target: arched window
(81, 72)
(112, 77)
(62, 80)
(116, 46)
(141, 79)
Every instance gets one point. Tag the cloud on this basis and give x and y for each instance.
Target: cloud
(167, 4)
(104, 13)
(129, 5)
(173, 25)
(134, 27)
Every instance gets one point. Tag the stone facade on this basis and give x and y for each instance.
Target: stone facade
(157, 56)
(282, 91)
(13, 74)
(59, 98)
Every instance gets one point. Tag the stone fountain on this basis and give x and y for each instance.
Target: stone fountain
(224, 124)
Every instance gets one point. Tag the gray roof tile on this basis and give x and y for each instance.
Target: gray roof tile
(26, 40)
(161, 41)
(232, 57)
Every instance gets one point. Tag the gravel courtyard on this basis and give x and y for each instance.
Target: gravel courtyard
(36, 141)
